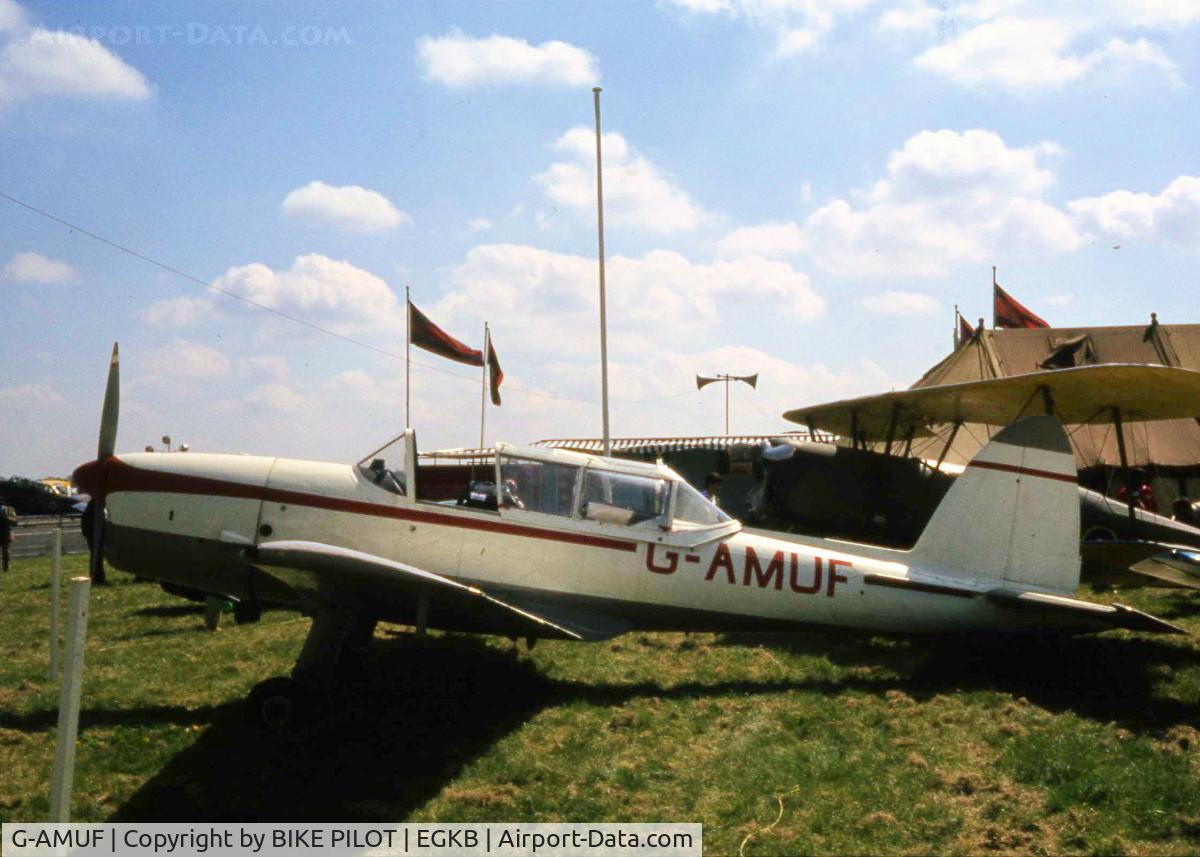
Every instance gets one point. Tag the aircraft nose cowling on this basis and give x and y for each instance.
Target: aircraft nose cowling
(90, 476)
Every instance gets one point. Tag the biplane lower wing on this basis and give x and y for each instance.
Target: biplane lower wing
(328, 572)
(1142, 563)
(1084, 394)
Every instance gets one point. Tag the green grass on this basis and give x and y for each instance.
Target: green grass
(809, 743)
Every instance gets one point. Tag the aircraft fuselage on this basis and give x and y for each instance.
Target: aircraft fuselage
(190, 519)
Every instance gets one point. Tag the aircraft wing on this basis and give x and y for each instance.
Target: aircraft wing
(344, 575)
(1084, 394)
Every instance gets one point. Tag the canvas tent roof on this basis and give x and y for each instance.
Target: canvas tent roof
(1005, 353)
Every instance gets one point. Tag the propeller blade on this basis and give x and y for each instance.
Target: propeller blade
(96, 567)
(702, 381)
(112, 408)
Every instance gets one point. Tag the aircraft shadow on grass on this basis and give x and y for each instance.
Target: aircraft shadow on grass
(431, 707)
(1101, 678)
(395, 739)
(426, 711)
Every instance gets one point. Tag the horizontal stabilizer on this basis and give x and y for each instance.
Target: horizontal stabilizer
(1104, 615)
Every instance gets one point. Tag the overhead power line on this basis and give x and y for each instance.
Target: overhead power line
(305, 323)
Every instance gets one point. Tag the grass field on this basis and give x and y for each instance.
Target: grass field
(820, 742)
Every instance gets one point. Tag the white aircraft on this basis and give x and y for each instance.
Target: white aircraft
(579, 547)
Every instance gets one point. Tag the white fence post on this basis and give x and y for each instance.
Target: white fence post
(68, 701)
(55, 588)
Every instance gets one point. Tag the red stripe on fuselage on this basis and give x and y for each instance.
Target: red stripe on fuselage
(1024, 471)
(125, 477)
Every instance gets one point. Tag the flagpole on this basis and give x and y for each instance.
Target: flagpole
(727, 379)
(603, 310)
(994, 284)
(484, 384)
(407, 358)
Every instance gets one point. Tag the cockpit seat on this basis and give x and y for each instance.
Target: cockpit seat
(480, 495)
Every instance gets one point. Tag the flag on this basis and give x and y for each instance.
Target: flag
(965, 331)
(423, 333)
(495, 373)
(1009, 312)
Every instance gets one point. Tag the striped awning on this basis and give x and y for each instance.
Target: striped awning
(633, 445)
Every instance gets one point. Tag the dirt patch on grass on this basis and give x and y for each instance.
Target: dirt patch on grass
(499, 795)
(1181, 740)
(998, 815)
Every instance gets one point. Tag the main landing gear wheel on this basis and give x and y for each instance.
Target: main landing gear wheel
(282, 706)
(246, 611)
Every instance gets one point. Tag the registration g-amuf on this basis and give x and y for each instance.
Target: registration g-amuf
(542, 543)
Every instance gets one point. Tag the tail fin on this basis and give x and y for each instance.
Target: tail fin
(1012, 516)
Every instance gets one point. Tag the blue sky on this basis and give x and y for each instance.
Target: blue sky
(802, 188)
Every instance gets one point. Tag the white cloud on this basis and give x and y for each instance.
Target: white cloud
(37, 62)
(793, 42)
(334, 293)
(636, 193)
(798, 25)
(769, 240)
(276, 397)
(31, 395)
(267, 366)
(479, 224)
(949, 197)
(458, 60)
(708, 7)
(939, 166)
(1025, 46)
(1009, 51)
(547, 301)
(1172, 217)
(1020, 45)
(12, 17)
(901, 303)
(348, 207)
(913, 16)
(182, 360)
(179, 312)
(262, 403)
(36, 268)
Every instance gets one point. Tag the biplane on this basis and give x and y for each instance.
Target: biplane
(880, 491)
(570, 546)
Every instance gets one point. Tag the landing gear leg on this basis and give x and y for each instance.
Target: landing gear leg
(350, 667)
(247, 611)
(283, 705)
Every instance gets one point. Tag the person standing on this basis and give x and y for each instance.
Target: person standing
(712, 488)
(8, 521)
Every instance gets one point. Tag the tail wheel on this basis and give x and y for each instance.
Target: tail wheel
(246, 611)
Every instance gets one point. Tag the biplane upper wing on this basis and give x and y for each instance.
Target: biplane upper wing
(1084, 394)
(348, 576)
